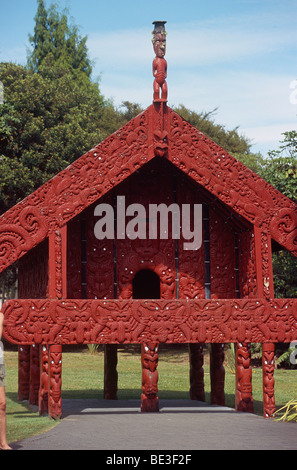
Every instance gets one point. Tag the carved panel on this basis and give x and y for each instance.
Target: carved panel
(99, 260)
(222, 258)
(154, 185)
(137, 321)
(191, 269)
(247, 265)
(33, 273)
(74, 272)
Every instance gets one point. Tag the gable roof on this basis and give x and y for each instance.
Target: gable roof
(158, 131)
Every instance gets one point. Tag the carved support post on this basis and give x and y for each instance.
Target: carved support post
(217, 374)
(268, 379)
(149, 361)
(196, 372)
(24, 373)
(55, 382)
(264, 270)
(110, 372)
(57, 289)
(34, 375)
(266, 290)
(243, 390)
(44, 381)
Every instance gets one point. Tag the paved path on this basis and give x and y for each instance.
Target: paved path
(180, 425)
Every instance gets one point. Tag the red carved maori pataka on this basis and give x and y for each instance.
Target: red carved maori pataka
(74, 288)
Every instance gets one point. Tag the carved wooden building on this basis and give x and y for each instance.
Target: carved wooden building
(74, 288)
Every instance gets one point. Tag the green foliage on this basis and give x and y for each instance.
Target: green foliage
(93, 348)
(289, 411)
(280, 167)
(284, 269)
(129, 110)
(285, 358)
(113, 118)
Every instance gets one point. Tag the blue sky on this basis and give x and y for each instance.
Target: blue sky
(235, 55)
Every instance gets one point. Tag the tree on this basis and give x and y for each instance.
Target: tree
(54, 36)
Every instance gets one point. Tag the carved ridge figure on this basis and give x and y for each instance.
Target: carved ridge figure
(159, 63)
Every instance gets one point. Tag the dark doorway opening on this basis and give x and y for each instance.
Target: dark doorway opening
(146, 285)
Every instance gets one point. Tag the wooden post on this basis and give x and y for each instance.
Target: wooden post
(34, 375)
(265, 289)
(55, 382)
(57, 289)
(243, 389)
(110, 372)
(23, 372)
(197, 391)
(44, 381)
(217, 374)
(149, 361)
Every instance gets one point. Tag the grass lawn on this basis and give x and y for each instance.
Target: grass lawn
(82, 377)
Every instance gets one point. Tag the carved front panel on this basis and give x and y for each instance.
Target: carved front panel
(137, 321)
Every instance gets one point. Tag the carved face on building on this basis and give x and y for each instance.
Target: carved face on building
(159, 43)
